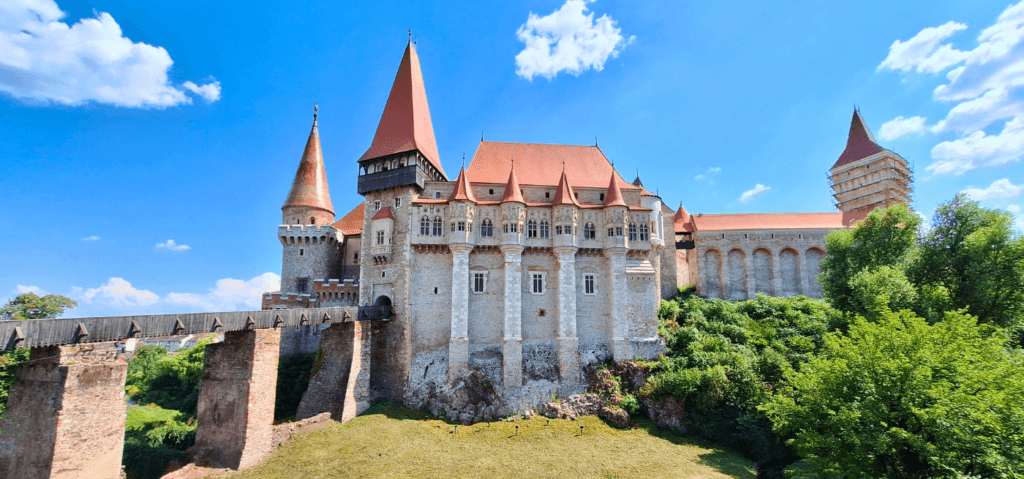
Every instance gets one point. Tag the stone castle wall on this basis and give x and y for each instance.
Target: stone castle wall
(736, 265)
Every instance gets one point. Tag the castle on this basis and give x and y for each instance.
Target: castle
(500, 287)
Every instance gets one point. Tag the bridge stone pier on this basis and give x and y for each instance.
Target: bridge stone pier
(66, 416)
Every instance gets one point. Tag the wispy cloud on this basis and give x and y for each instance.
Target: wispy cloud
(1003, 188)
(91, 238)
(118, 296)
(46, 60)
(985, 85)
(22, 289)
(171, 245)
(569, 40)
(713, 169)
(751, 193)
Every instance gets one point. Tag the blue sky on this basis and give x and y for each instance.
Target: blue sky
(146, 148)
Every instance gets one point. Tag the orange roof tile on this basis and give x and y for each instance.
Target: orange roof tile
(405, 124)
(768, 221)
(860, 143)
(512, 192)
(541, 164)
(309, 188)
(613, 197)
(383, 214)
(462, 191)
(564, 195)
(352, 223)
(682, 220)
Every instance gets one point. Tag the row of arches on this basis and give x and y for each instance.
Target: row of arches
(737, 276)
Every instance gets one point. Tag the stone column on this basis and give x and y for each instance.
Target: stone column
(236, 399)
(776, 273)
(618, 300)
(805, 287)
(655, 258)
(341, 383)
(748, 258)
(568, 344)
(65, 418)
(512, 344)
(458, 343)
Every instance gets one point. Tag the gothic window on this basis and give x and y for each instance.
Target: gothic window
(424, 226)
(376, 205)
(537, 283)
(588, 284)
(453, 226)
(611, 232)
(558, 229)
(479, 282)
(462, 226)
(437, 230)
(514, 227)
(618, 231)
(301, 284)
(487, 228)
(589, 232)
(644, 236)
(632, 231)
(531, 229)
(398, 202)
(312, 220)
(506, 227)
(568, 231)
(544, 229)
(380, 237)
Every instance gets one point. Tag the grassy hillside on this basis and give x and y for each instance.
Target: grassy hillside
(392, 441)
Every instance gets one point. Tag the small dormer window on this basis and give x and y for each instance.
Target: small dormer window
(398, 202)
(602, 196)
(547, 194)
(437, 195)
(490, 191)
(376, 205)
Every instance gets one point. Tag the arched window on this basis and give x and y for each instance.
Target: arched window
(544, 229)
(424, 226)
(312, 220)
(531, 229)
(632, 231)
(487, 228)
(644, 236)
(438, 230)
(589, 232)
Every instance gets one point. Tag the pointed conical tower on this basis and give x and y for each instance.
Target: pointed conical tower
(462, 210)
(513, 210)
(566, 214)
(615, 215)
(309, 201)
(867, 176)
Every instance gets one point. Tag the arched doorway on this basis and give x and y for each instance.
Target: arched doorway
(382, 301)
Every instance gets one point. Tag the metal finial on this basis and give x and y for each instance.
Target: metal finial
(595, 141)
(316, 106)
(563, 166)
(410, 35)
(463, 160)
(481, 135)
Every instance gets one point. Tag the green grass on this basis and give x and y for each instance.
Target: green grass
(144, 417)
(392, 441)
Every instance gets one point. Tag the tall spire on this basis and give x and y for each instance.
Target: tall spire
(405, 124)
(462, 190)
(309, 189)
(564, 194)
(614, 195)
(512, 192)
(860, 143)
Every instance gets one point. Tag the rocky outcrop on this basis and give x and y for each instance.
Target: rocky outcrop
(667, 413)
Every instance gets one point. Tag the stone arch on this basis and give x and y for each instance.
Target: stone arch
(812, 263)
(737, 282)
(382, 300)
(789, 268)
(713, 273)
(764, 275)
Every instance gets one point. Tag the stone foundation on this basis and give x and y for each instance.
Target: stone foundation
(236, 400)
(66, 416)
(340, 383)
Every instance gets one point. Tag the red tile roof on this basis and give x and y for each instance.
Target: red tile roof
(682, 220)
(352, 223)
(309, 188)
(512, 192)
(383, 214)
(613, 197)
(860, 144)
(541, 165)
(564, 194)
(768, 221)
(462, 191)
(405, 124)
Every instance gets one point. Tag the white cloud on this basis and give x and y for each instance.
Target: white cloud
(118, 293)
(569, 39)
(43, 59)
(714, 169)
(22, 289)
(750, 194)
(1015, 209)
(229, 294)
(900, 126)
(923, 54)
(209, 91)
(984, 85)
(699, 177)
(171, 245)
(91, 238)
(979, 150)
(1003, 188)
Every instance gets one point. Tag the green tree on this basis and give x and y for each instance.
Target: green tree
(975, 258)
(32, 306)
(900, 398)
(887, 237)
(171, 382)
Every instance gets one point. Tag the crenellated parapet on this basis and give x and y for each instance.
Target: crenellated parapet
(309, 234)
